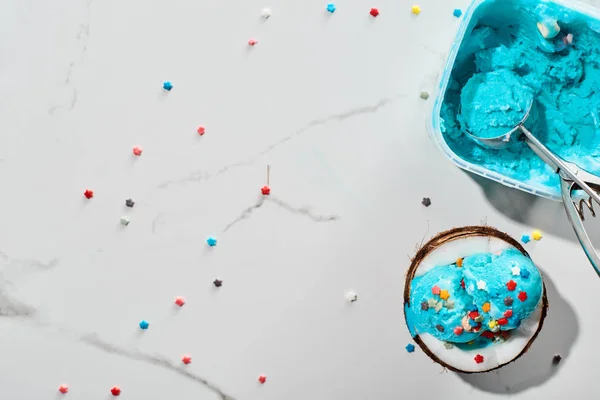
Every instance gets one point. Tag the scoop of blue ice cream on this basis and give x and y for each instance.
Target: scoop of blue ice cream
(509, 281)
(493, 103)
(430, 313)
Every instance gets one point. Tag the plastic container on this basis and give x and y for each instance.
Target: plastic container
(433, 124)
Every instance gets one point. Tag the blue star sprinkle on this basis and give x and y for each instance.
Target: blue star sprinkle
(211, 241)
(457, 12)
(167, 86)
(525, 239)
(331, 7)
(144, 324)
(524, 274)
(410, 348)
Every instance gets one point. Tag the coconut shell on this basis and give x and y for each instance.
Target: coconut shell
(461, 233)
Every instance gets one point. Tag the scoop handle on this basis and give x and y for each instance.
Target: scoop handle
(575, 217)
(560, 166)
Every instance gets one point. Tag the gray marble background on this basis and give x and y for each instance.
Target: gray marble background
(332, 103)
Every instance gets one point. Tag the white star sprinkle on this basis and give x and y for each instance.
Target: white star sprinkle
(481, 285)
(516, 271)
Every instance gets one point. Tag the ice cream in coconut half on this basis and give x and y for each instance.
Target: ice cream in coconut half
(474, 300)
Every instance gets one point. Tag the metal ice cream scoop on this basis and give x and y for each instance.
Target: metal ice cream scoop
(573, 179)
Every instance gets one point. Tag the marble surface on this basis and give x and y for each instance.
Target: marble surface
(331, 103)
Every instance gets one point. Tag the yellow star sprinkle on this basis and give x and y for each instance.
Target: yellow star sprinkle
(492, 324)
(486, 307)
(536, 235)
(416, 9)
(444, 295)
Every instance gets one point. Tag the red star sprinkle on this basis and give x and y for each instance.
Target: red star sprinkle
(262, 379)
(201, 130)
(478, 358)
(435, 290)
(477, 328)
(180, 301)
(137, 151)
(265, 190)
(502, 321)
(186, 360)
(458, 330)
(374, 12)
(511, 285)
(522, 296)
(115, 390)
(488, 334)
(88, 194)
(462, 283)
(473, 314)
(63, 389)
(252, 42)
(508, 313)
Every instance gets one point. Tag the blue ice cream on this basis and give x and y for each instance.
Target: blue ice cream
(493, 103)
(562, 72)
(483, 293)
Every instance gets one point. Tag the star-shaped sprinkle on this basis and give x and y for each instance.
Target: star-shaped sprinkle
(473, 314)
(508, 301)
(137, 151)
(426, 200)
(536, 235)
(266, 13)
(457, 12)
(144, 324)
(478, 358)
(458, 330)
(212, 242)
(88, 194)
(262, 379)
(432, 302)
(218, 283)
(435, 290)
(511, 285)
(424, 306)
(115, 391)
(492, 324)
(459, 263)
(481, 285)
(410, 348)
(516, 271)
(448, 345)
(522, 296)
(508, 313)
(486, 307)
(556, 359)
(416, 9)
(449, 304)
(186, 360)
(439, 328)
(129, 203)
(478, 318)
(502, 321)
(63, 389)
(374, 12)
(167, 86)
(438, 306)
(331, 7)
(124, 221)
(444, 294)
(180, 301)
(524, 274)
(424, 95)
(351, 297)
(525, 239)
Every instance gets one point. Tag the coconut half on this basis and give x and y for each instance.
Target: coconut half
(446, 248)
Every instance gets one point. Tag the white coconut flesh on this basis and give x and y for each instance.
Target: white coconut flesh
(495, 354)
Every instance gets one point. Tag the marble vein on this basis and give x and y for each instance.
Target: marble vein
(202, 175)
(156, 360)
(304, 211)
(82, 36)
